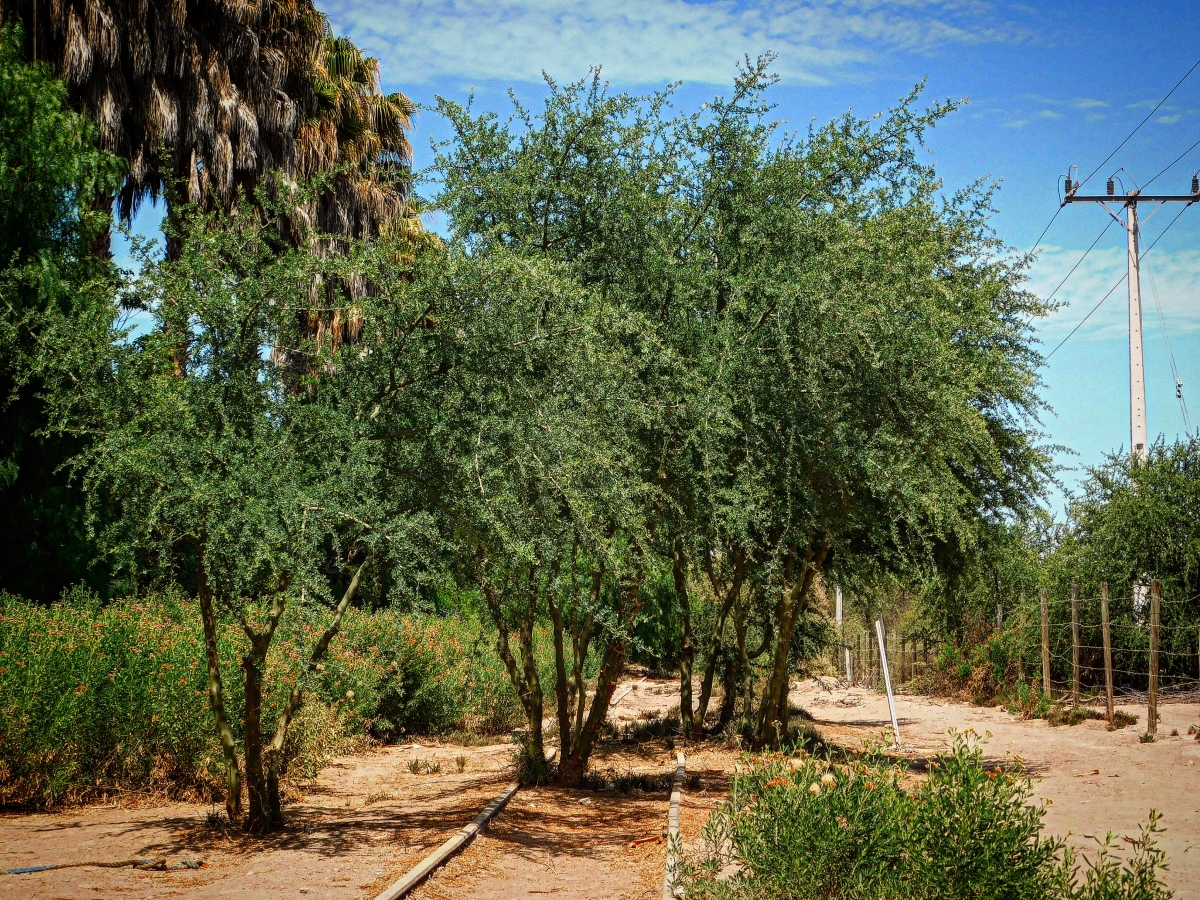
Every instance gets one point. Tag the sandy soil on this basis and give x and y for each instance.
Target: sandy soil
(367, 819)
(359, 826)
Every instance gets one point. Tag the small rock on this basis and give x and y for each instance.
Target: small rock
(586, 801)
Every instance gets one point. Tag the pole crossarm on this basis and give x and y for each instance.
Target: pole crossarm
(1131, 198)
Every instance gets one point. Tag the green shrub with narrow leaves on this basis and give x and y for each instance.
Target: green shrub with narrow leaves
(804, 827)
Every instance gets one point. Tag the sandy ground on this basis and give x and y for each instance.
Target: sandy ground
(359, 826)
(1092, 780)
(367, 819)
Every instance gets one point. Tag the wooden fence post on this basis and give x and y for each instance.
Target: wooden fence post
(903, 653)
(1107, 648)
(1152, 695)
(1046, 646)
(1074, 645)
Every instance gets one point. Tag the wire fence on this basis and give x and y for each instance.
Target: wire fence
(1140, 627)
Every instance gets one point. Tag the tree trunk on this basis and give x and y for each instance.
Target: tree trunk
(736, 669)
(524, 679)
(560, 681)
(216, 697)
(773, 712)
(574, 767)
(258, 812)
(714, 653)
(296, 697)
(687, 646)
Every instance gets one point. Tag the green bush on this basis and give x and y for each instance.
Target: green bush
(99, 698)
(806, 828)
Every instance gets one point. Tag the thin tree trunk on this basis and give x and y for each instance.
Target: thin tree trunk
(687, 646)
(274, 753)
(575, 765)
(581, 639)
(524, 678)
(710, 665)
(773, 712)
(258, 818)
(216, 697)
(560, 680)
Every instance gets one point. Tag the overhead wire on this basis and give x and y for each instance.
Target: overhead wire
(1141, 256)
(1172, 163)
(1081, 259)
(1162, 321)
(1157, 107)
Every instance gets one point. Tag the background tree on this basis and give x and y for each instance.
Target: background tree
(49, 162)
(233, 92)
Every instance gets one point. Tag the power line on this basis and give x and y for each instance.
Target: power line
(1081, 259)
(1144, 121)
(1038, 242)
(1162, 320)
(1121, 280)
(1177, 159)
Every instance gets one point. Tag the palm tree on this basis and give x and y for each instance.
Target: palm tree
(232, 89)
(221, 84)
(363, 133)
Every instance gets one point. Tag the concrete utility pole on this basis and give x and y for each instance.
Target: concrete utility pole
(1138, 435)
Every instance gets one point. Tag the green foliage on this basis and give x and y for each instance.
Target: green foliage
(803, 827)
(114, 697)
(52, 184)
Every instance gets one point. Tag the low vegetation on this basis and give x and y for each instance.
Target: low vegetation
(100, 699)
(802, 827)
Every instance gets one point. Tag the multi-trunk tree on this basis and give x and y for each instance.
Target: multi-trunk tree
(262, 498)
(843, 367)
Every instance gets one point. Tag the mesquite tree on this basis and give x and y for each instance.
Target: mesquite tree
(875, 345)
(260, 497)
(844, 369)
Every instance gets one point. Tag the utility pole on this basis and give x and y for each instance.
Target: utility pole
(1138, 437)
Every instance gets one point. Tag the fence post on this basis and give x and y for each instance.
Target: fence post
(881, 634)
(1107, 648)
(903, 653)
(1046, 646)
(1074, 645)
(1152, 695)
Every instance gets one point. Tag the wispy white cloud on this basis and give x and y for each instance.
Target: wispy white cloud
(1168, 120)
(1049, 114)
(1088, 103)
(654, 41)
(1169, 275)
(1016, 123)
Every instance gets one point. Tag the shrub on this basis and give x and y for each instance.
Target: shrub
(99, 698)
(803, 827)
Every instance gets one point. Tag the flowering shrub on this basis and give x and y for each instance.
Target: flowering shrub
(101, 698)
(805, 827)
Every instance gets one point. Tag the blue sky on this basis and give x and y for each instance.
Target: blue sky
(1049, 87)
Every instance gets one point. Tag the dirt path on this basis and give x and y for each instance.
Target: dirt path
(367, 819)
(362, 823)
(1093, 780)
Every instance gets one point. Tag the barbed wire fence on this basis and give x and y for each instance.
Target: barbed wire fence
(1142, 648)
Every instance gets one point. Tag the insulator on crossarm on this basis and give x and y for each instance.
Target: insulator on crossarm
(1110, 187)
(1195, 183)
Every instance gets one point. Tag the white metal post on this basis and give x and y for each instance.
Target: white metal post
(1138, 441)
(887, 678)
